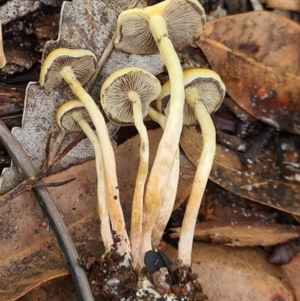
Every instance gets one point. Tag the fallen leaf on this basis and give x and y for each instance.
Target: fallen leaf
(257, 183)
(257, 54)
(229, 274)
(292, 271)
(29, 252)
(83, 24)
(55, 290)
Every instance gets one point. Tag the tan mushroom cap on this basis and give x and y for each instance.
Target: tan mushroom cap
(64, 117)
(185, 20)
(81, 61)
(116, 90)
(210, 88)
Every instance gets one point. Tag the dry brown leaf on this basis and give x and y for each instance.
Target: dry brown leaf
(29, 253)
(257, 56)
(55, 290)
(292, 271)
(257, 183)
(241, 274)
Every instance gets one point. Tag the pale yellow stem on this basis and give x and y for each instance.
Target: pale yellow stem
(168, 201)
(103, 212)
(137, 203)
(199, 184)
(112, 188)
(168, 145)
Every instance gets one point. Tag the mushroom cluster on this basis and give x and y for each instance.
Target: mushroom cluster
(188, 97)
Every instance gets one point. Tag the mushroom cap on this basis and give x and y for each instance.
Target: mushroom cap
(83, 63)
(114, 94)
(185, 21)
(209, 86)
(64, 116)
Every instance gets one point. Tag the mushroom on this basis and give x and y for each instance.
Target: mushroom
(204, 93)
(125, 97)
(72, 117)
(166, 26)
(76, 66)
(2, 55)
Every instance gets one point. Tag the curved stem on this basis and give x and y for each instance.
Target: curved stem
(168, 145)
(166, 207)
(199, 184)
(112, 188)
(137, 203)
(103, 212)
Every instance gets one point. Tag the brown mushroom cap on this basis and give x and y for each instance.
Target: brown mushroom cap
(64, 116)
(185, 20)
(81, 61)
(115, 93)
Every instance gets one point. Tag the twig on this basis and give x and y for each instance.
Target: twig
(23, 162)
(31, 182)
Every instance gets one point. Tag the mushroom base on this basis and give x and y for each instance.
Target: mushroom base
(111, 280)
(186, 286)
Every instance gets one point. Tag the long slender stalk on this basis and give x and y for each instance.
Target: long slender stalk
(103, 212)
(137, 203)
(199, 184)
(168, 201)
(168, 145)
(112, 188)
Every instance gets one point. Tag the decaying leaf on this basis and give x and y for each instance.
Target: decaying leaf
(292, 271)
(257, 54)
(83, 24)
(229, 274)
(257, 183)
(30, 254)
